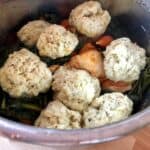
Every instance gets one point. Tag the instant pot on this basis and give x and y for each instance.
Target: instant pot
(134, 15)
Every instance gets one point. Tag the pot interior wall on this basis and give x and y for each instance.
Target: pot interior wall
(133, 14)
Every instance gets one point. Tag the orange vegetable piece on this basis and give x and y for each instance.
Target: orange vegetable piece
(115, 86)
(65, 24)
(87, 47)
(104, 40)
(89, 59)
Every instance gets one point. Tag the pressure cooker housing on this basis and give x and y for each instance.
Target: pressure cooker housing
(133, 14)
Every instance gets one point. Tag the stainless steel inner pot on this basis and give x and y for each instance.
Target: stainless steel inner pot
(133, 14)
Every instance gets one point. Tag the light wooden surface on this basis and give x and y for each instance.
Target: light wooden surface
(136, 141)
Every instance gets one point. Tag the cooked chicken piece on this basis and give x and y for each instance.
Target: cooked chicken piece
(89, 59)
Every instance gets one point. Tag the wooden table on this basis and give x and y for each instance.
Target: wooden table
(136, 141)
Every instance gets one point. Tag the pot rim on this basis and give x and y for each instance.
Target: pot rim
(55, 137)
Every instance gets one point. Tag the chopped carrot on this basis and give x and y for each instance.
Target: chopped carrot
(115, 86)
(65, 24)
(104, 40)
